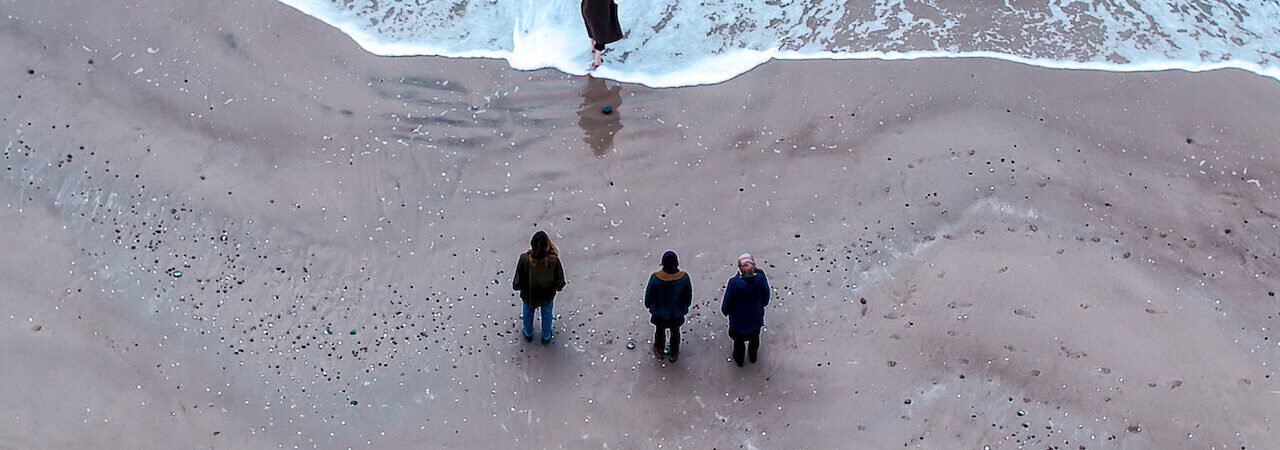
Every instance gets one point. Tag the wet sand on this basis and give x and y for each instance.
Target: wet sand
(230, 227)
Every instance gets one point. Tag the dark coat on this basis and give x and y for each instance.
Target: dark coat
(744, 302)
(668, 295)
(601, 18)
(538, 283)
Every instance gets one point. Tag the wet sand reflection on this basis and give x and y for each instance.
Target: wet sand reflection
(599, 128)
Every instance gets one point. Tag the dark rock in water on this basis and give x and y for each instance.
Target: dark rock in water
(606, 109)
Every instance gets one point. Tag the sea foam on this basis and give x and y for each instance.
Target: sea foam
(671, 43)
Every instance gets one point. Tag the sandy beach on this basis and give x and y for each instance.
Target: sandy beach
(228, 226)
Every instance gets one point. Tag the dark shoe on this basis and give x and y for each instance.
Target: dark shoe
(672, 357)
(657, 351)
(738, 362)
(546, 341)
(753, 359)
(528, 338)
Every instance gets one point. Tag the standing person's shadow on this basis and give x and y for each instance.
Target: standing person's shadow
(598, 127)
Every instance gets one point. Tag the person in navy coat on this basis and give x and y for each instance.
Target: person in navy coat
(745, 297)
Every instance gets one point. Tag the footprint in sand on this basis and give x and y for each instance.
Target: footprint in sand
(1072, 355)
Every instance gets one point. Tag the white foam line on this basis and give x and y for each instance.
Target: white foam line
(1145, 66)
(728, 65)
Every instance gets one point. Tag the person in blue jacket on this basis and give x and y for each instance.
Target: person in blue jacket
(668, 297)
(745, 297)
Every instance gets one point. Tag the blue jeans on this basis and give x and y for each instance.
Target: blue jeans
(546, 320)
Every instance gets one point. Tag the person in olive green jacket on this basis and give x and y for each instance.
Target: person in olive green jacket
(538, 277)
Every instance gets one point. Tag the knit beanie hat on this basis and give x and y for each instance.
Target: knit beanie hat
(669, 262)
(746, 257)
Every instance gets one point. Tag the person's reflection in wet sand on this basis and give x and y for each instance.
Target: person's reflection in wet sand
(599, 128)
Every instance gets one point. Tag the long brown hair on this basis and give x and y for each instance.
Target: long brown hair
(541, 248)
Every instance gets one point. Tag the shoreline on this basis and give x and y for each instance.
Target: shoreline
(743, 60)
(271, 236)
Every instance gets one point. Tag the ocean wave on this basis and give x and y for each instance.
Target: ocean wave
(672, 43)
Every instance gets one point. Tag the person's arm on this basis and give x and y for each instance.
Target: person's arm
(687, 296)
(559, 276)
(728, 298)
(521, 278)
(649, 291)
(764, 298)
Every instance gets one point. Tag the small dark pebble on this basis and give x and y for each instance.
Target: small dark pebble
(353, 403)
(908, 401)
(1273, 294)
(353, 332)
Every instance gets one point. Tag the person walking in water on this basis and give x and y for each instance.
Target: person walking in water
(538, 277)
(601, 18)
(745, 297)
(668, 296)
